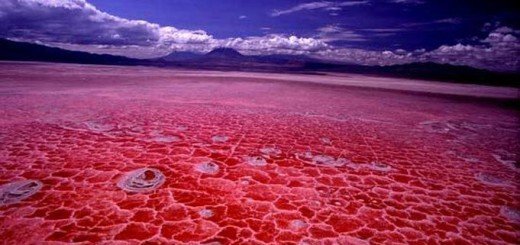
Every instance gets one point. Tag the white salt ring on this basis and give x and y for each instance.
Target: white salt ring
(19, 190)
(142, 180)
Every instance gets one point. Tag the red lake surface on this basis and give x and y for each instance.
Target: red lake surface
(128, 155)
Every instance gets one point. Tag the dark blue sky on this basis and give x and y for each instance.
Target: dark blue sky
(482, 34)
(416, 24)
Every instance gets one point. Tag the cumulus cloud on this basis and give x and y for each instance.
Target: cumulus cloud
(500, 51)
(365, 57)
(79, 22)
(407, 1)
(135, 51)
(331, 33)
(78, 25)
(448, 21)
(384, 30)
(324, 5)
(274, 44)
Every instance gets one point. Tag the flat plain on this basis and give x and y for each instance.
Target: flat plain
(254, 158)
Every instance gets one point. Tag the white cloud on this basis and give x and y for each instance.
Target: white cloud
(79, 22)
(274, 43)
(331, 33)
(78, 25)
(170, 34)
(365, 57)
(384, 30)
(447, 21)
(500, 51)
(407, 1)
(325, 5)
(242, 17)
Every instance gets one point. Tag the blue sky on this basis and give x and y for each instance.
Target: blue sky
(407, 24)
(372, 32)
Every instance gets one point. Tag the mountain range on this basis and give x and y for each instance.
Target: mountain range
(230, 59)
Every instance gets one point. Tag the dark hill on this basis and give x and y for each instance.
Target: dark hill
(21, 51)
(230, 59)
(427, 71)
(181, 56)
(224, 53)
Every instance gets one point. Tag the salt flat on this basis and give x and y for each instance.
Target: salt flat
(149, 154)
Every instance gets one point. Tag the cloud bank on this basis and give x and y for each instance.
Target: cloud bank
(407, 1)
(78, 25)
(323, 5)
(331, 33)
(79, 22)
(499, 51)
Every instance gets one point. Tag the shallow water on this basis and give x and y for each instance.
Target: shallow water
(250, 160)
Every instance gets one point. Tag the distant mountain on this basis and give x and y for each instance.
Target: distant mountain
(230, 59)
(447, 72)
(229, 54)
(181, 56)
(426, 70)
(285, 58)
(219, 58)
(224, 53)
(21, 51)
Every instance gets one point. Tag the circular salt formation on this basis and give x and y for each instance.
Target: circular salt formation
(207, 168)
(435, 127)
(141, 180)
(271, 151)
(379, 167)
(506, 158)
(489, 179)
(166, 139)
(206, 213)
(325, 140)
(17, 191)
(297, 225)
(510, 213)
(255, 161)
(98, 127)
(212, 243)
(219, 138)
(304, 156)
(323, 160)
